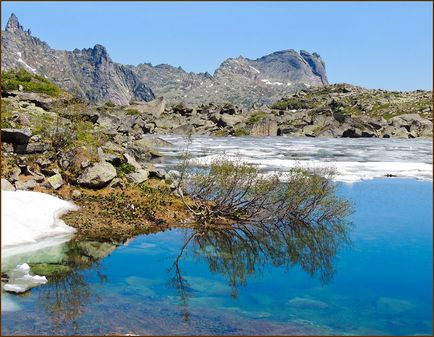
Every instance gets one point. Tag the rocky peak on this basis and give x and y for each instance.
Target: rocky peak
(13, 24)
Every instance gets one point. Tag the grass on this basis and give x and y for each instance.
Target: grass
(12, 79)
(256, 117)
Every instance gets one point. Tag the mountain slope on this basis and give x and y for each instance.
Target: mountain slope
(87, 73)
(238, 80)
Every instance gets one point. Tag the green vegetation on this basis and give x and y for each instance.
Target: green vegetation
(6, 114)
(239, 192)
(293, 103)
(109, 104)
(241, 132)
(50, 269)
(124, 169)
(256, 117)
(133, 112)
(13, 79)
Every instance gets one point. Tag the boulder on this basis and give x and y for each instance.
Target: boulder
(6, 185)
(16, 136)
(132, 161)
(55, 181)
(97, 175)
(264, 128)
(183, 129)
(310, 130)
(31, 148)
(138, 176)
(25, 185)
(229, 120)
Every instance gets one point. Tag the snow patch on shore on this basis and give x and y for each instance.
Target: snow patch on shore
(28, 217)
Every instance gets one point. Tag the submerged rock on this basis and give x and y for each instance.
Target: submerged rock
(307, 303)
(50, 269)
(20, 279)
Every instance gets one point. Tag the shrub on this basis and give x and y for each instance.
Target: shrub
(124, 169)
(238, 191)
(133, 112)
(256, 117)
(110, 104)
(12, 79)
(241, 132)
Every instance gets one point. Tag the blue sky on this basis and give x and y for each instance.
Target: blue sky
(372, 44)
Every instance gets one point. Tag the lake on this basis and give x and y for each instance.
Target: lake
(380, 284)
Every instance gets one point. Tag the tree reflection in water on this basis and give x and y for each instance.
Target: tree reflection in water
(246, 249)
(66, 296)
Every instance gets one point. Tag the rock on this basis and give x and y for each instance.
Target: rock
(84, 164)
(96, 250)
(25, 185)
(183, 129)
(156, 172)
(97, 176)
(352, 133)
(229, 120)
(43, 163)
(117, 183)
(152, 142)
(138, 176)
(392, 306)
(55, 181)
(32, 148)
(16, 136)
(6, 185)
(76, 194)
(307, 303)
(166, 123)
(48, 172)
(155, 107)
(264, 128)
(132, 161)
(20, 280)
(310, 130)
(401, 133)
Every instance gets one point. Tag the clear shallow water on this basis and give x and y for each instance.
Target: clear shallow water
(381, 285)
(354, 159)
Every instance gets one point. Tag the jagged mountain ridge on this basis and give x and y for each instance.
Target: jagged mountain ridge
(93, 76)
(238, 80)
(88, 73)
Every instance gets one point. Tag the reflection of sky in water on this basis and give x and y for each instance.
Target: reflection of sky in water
(382, 284)
(354, 159)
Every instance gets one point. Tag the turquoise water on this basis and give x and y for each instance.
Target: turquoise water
(379, 285)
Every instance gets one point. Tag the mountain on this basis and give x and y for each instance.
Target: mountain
(93, 76)
(88, 73)
(238, 80)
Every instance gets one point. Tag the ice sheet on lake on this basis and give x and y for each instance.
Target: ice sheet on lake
(354, 159)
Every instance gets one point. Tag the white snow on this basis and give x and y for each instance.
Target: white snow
(307, 85)
(288, 84)
(19, 54)
(255, 69)
(28, 217)
(20, 279)
(268, 82)
(33, 70)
